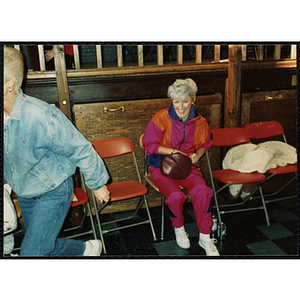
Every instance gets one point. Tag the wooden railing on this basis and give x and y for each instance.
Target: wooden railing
(165, 59)
(164, 55)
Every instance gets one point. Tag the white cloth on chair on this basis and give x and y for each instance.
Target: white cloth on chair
(247, 158)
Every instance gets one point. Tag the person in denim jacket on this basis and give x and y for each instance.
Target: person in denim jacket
(42, 149)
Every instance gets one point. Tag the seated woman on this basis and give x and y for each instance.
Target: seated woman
(180, 128)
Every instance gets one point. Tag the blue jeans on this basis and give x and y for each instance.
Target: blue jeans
(43, 218)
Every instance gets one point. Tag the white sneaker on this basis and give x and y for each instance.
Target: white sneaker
(208, 245)
(93, 248)
(244, 195)
(182, 239)
(235, 190)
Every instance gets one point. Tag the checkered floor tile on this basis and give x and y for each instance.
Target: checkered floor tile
(247, 234)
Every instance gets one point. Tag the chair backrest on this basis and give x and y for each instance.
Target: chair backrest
(113, 147)
(261, 130)
(141, 141)
(116, 147)
(229, 136)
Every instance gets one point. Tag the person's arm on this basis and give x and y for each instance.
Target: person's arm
(153, 136)
(197, 155)
(165, 150)
(49, 54)
(66, 140)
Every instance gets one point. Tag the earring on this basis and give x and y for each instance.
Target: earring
(9, 89)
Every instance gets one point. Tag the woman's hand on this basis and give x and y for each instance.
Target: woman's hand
(195, 157)
(102, 194)
(177, 151)
(164, 150)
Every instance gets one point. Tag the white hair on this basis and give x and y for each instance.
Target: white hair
(182, 88)
(13, 66)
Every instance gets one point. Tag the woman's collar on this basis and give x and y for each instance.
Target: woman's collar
(16, 111)
(172, 114)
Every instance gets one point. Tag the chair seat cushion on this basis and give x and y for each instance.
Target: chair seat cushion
(283, 170)
(235, 177)
(125, 190)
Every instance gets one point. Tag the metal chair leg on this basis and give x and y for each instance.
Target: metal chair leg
(264, 205)
(149, 217)
(98, 222)
(162, 216)
(92, 221)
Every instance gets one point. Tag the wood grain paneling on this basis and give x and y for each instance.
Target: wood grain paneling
(280, 106)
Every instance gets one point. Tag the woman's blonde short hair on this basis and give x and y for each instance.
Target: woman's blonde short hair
(182, 88)
(13, 66)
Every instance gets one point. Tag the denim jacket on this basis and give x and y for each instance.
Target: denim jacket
(42, 149)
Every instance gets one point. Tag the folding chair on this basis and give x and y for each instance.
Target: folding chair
(82, 199)
(232, 137)
(149, 182)
(268, 129)
(110, 148)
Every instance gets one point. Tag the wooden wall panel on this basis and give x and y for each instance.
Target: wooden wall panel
(280, 106)
(256, 76)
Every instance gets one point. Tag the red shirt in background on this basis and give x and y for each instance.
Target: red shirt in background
(69, 50)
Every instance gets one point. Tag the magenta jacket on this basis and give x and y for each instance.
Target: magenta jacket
(168, 130)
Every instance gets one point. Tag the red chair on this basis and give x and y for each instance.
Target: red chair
(268, 129)
(83, 200)
(108, 149)
(232, 137)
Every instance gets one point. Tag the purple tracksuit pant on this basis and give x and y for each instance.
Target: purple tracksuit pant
(200, 193)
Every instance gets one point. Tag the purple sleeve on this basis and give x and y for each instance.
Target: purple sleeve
(152, 138)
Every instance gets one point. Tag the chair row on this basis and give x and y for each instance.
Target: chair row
(231, 137)
(224, 137)
(237, 136)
